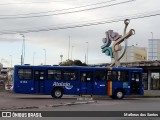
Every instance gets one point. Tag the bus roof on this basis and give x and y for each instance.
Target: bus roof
(79, 67)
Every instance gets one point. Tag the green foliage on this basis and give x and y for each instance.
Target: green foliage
(71, 62)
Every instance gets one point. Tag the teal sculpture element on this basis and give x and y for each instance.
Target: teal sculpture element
(107, 51)
(110, 36)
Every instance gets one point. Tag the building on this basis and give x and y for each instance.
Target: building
(1, 66)
(134, 54)
(154, 49)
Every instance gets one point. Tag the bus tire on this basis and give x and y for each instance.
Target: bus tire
(57, 93)
(119, 94)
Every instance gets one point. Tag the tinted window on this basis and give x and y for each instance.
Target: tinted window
(36, 75)
(135, 76)
(39, 75)
(117, 75)
(123, 76)
(54, 75)
(25, 74)
(100, 75)
(70, 74)
(114, 75)
(109, 75)
(86, 76)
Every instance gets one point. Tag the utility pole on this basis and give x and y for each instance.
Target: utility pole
(69, 48)
(87, 54)
(152, 44)
(23, 49)
(61, 56)
(72, 51)
(45, 56)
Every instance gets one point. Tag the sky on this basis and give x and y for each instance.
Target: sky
(53, 42)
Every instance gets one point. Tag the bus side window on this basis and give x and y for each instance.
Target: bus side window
(100, 75)
(122, 76)
(54, 75)
(66, 76)
(83, 77)
(73, 76)
(89, 76)
(70, 74)
(25, 74)
(109, 75)
(36, 75)
(137, 77)
(114, 75)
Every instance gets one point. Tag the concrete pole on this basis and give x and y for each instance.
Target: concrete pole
(149, 79)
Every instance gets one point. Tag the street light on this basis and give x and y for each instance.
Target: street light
(45, 55)
(61, 56)
(87, 53)
(23, 49)
(11, 59)
(33, 57)
(72, 51)
(152, 44)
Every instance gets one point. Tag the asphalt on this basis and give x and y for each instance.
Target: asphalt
(80, 100)
(147, 93)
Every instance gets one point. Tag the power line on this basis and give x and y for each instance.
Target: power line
(142, 15)
(90, 20)
(37, 2)
(63, 9)
(82, 10)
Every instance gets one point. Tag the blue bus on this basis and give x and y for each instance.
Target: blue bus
(56, 81)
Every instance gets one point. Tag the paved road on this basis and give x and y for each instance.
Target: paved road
(21, 102)
(132, 104)
(12, 101)
(26, 100)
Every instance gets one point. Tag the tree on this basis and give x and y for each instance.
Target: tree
(66, 63)
(71, 62)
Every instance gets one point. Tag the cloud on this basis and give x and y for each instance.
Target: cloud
(57, 42)
(4, 61)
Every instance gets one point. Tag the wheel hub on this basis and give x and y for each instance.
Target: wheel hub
(119, 94)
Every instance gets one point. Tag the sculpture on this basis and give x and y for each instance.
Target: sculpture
(117, 40)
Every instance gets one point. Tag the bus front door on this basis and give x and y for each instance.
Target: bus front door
(135, 83)
(39, 78)
(86, 82)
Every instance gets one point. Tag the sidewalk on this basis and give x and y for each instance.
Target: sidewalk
(155, 93)
(147, 94)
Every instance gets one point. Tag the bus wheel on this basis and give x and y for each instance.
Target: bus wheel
(57, 93)
(119, 94)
